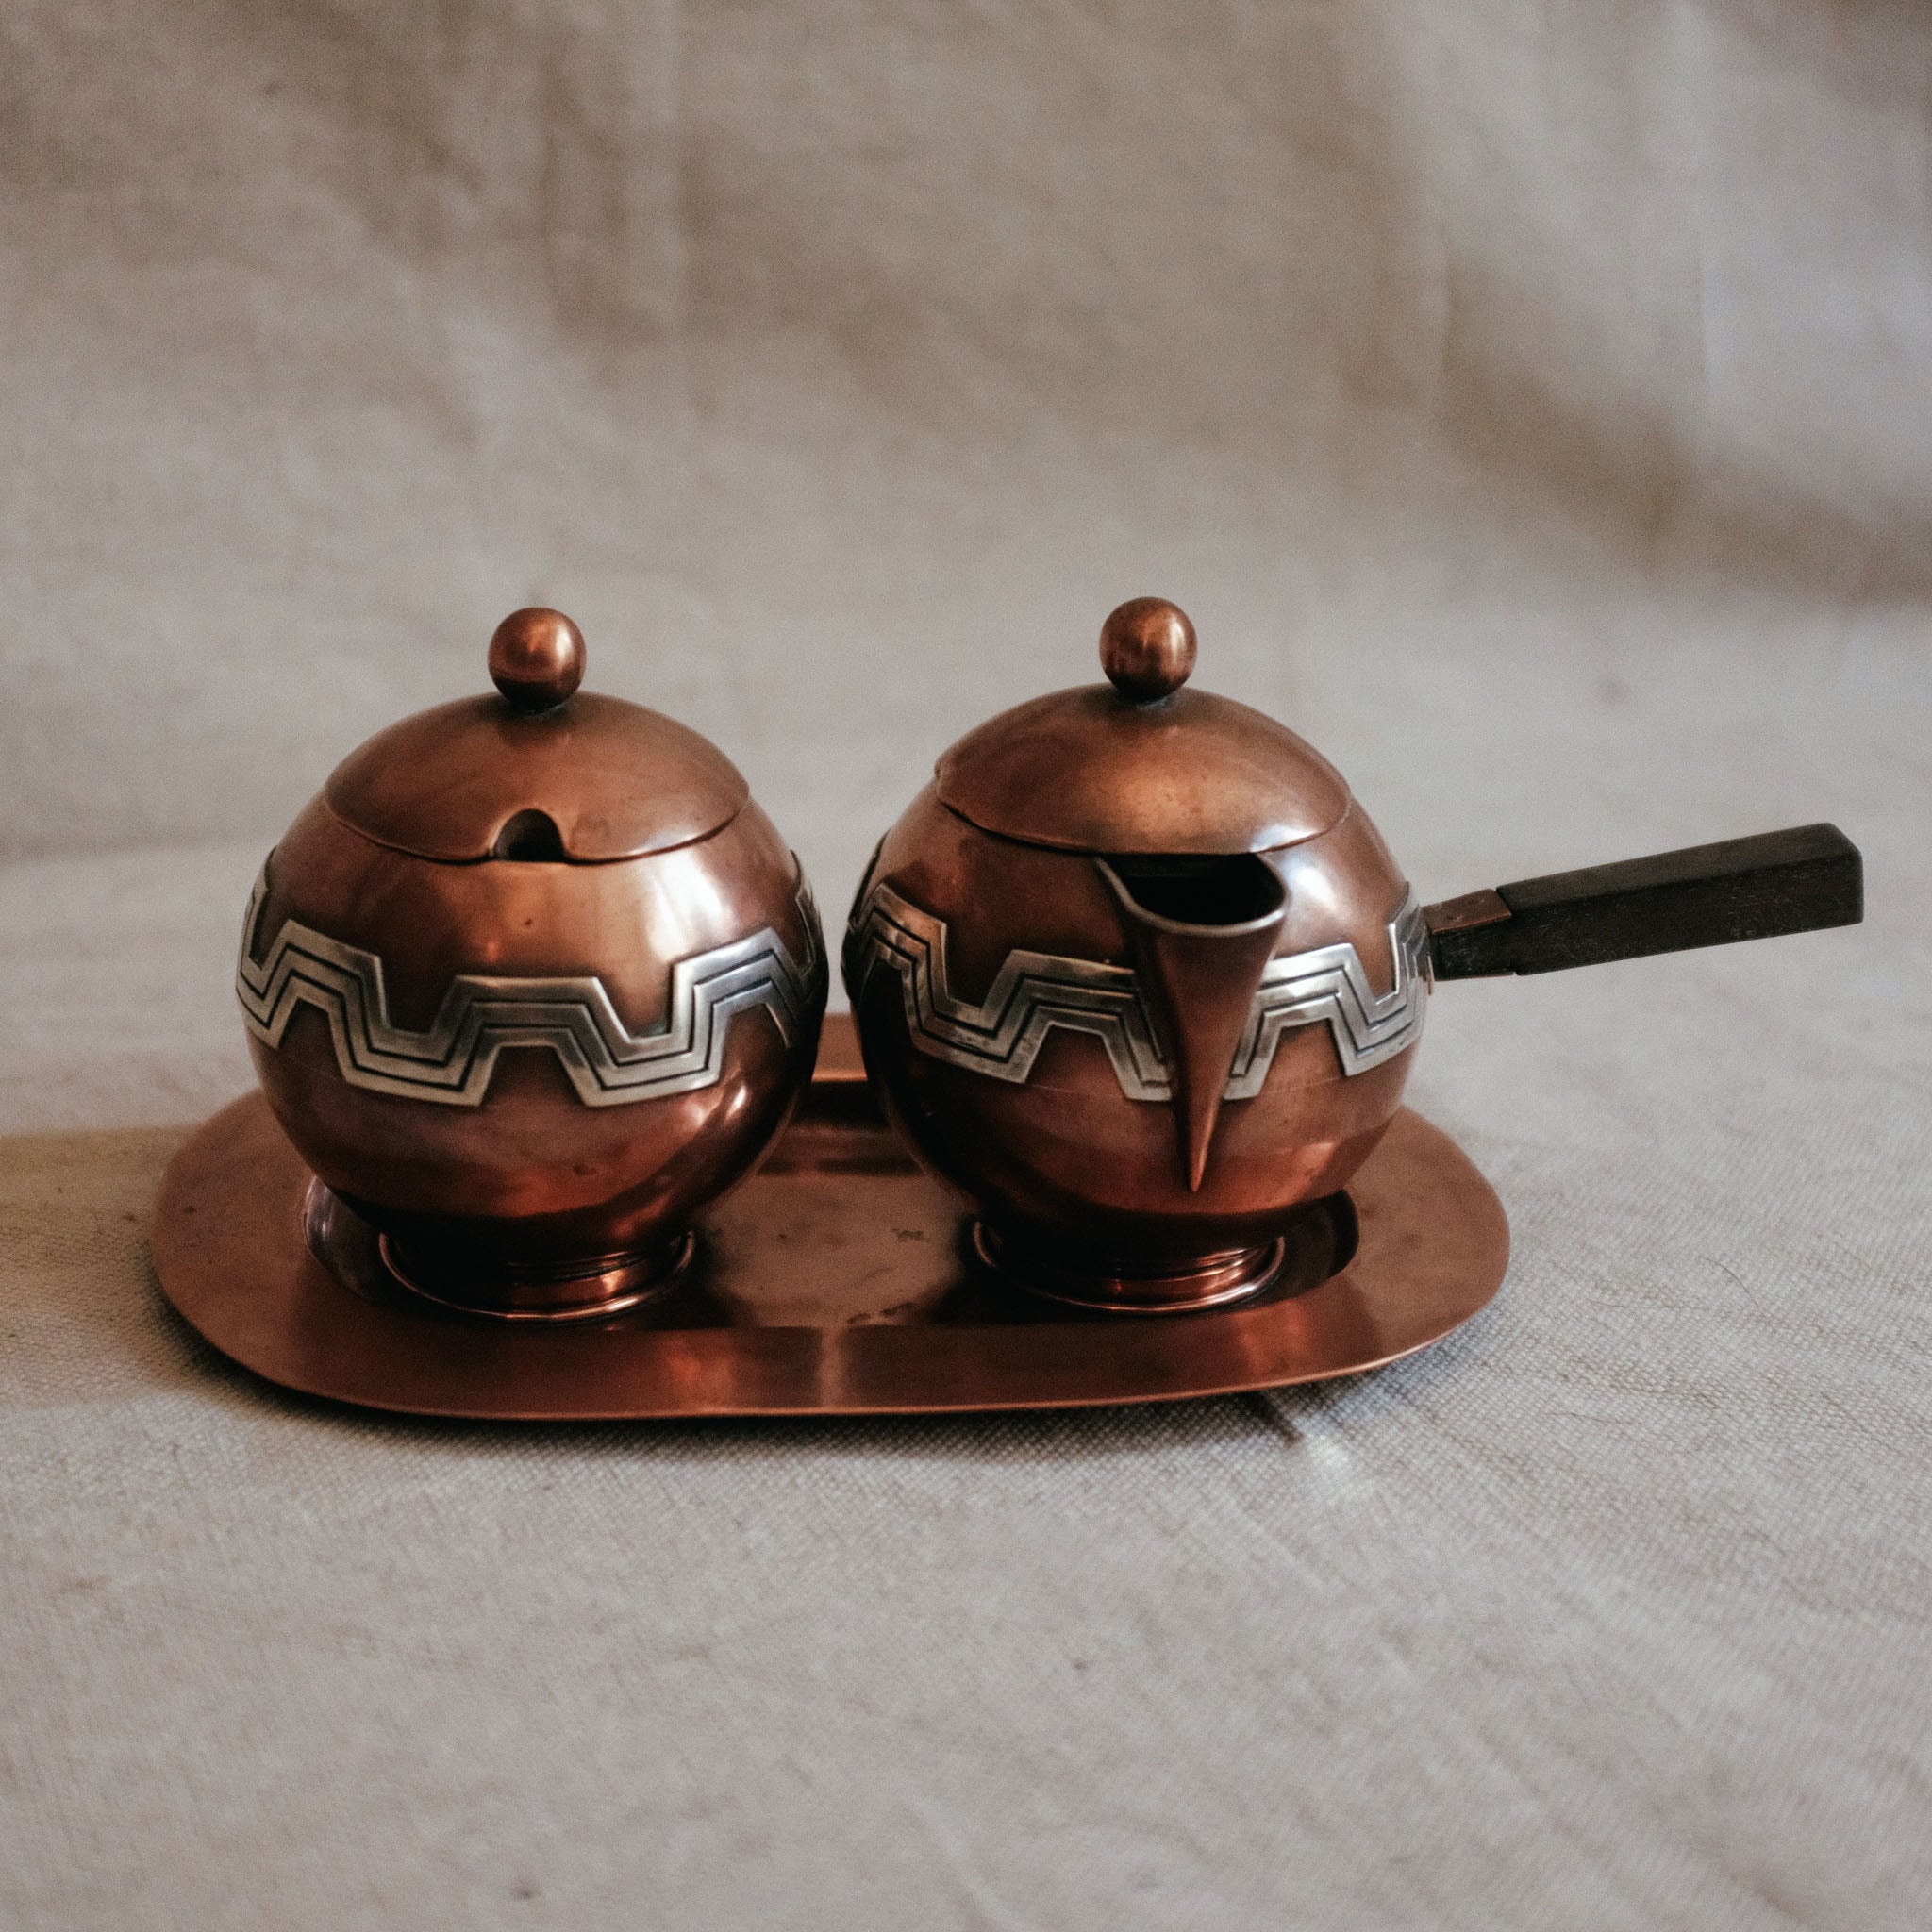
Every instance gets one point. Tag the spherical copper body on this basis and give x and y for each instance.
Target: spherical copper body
(1060, 1029)
(1147, 649)
(530, 1069)
(537, 659)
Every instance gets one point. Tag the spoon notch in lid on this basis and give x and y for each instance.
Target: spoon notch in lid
(614, 779)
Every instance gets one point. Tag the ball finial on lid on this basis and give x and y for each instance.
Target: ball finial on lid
(537, 659)
(1147, 649)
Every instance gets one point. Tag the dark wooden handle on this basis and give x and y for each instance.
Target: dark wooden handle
(1706, 895)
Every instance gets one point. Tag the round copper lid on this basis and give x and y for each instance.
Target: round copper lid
(539, 771)
(1139, 764)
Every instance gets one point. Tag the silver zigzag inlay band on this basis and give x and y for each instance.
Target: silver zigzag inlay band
(1035, 993)
(481, 1014)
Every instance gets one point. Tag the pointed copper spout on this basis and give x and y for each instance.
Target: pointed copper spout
(1204, 930)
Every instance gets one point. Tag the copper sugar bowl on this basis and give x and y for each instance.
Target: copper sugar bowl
(531, 982)
(1136, 974)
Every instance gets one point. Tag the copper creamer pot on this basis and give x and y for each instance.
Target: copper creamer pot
(530, 983)
(1137, 975)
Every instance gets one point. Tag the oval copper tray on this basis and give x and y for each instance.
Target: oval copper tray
(838, 1280)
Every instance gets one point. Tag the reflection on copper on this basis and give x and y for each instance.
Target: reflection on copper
(838, 1280)
(1059, 957)
(531, 984)
(1158, 850)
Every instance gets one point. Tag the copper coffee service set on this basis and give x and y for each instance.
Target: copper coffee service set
(552, 1123)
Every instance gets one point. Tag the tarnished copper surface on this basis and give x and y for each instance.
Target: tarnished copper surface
(838, 1280)
(450, 858)
(1467, 911)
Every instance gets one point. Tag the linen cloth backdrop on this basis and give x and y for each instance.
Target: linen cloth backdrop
(1530, 403)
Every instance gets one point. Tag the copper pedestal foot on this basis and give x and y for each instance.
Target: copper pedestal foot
(1213, 1281)
(609, 1285)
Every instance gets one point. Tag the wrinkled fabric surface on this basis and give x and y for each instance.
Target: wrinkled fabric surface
(1529, 403)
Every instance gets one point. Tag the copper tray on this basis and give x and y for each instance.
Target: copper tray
(840, 1280)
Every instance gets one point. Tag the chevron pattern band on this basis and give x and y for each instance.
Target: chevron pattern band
(1328, 986)
(451, 1063)
(1035, 993)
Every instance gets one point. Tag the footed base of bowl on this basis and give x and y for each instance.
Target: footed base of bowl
(1210, 1281)
(1320, 1240)
(582, 1291)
